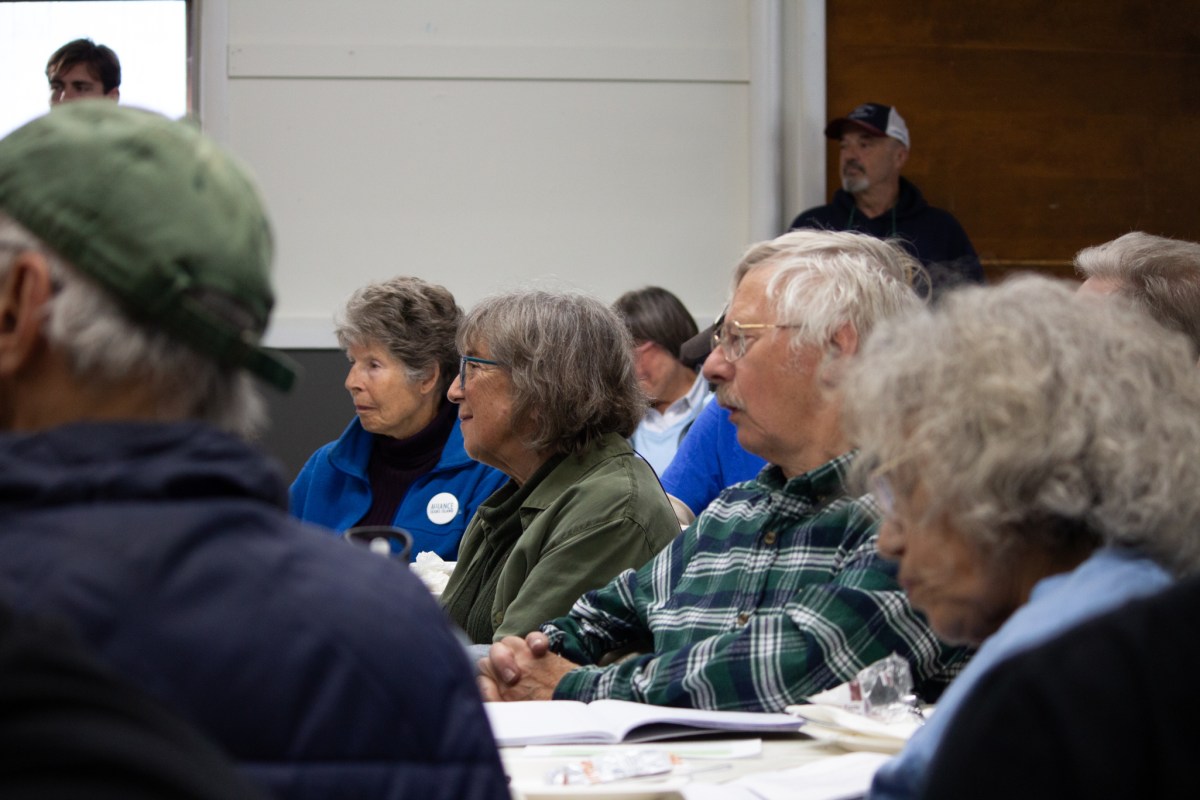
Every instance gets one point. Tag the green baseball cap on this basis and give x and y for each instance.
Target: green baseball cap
(158, 215)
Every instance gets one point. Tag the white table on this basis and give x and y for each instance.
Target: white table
(779, 752)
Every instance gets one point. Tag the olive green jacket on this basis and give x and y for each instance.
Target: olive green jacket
(586, 520)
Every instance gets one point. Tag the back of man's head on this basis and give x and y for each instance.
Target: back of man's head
(100, 60)
(160, 250)
(1160, 276)
(825, 279)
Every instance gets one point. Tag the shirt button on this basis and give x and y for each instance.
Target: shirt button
(497, 618)
(769, 538)
(743, 618)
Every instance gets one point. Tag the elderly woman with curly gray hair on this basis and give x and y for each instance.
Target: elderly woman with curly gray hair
(547, 394)
(400, 462)
(1036, 456)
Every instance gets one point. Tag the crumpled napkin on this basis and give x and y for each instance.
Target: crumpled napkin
(433, 571)
(829, 718)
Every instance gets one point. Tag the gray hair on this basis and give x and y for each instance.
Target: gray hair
(104, 346)
(1032, 418)
(1160, 276)
(416, 321)
(571, 362)
(826, 279)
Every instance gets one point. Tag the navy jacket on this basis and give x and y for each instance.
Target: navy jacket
(932, 235)
(322, 669)
(68, 729)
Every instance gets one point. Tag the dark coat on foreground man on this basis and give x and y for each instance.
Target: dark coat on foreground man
(322, 669)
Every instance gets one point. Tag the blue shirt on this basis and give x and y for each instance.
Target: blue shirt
(659, 434)
(1106, 580)
(708, 460)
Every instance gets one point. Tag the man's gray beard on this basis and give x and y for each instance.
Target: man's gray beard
(855, 184)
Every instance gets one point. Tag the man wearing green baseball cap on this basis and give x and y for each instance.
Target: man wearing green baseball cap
(134, 292)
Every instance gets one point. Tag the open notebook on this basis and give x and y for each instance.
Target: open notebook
(613, 721)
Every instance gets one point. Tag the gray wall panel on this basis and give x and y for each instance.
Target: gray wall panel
(315, 412)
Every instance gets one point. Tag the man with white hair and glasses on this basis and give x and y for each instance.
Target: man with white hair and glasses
(776, 592)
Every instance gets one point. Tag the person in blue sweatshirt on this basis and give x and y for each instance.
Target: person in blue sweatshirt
(400, 461)
(876, 199)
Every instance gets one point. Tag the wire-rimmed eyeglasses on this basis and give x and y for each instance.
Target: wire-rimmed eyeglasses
(730, 336)
(465, 362)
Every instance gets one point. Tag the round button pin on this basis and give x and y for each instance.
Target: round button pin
(442, 508)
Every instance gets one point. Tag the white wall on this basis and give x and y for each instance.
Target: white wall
(489, 144)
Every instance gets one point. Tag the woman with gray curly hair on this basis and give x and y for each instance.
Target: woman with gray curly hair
(1035, 454)
(401, 460)
(546, 393)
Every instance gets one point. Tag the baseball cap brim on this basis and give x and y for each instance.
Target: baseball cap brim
(159, 217)
(835, 129)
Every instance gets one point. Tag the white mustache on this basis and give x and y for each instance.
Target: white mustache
(727, 399)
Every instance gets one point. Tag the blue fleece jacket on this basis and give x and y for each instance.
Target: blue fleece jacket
(332, 490)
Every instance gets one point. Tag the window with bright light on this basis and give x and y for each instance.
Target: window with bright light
(149, 37)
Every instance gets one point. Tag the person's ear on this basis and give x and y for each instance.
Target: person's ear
(842, 347)
(900, 155)
(114, 95)
(429, 384)
(845, 340)
(24, 293)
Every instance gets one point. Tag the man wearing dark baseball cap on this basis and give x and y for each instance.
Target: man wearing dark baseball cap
(876, 199)
(134, 292)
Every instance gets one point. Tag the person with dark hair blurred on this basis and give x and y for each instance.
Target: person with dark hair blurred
(401, 460)
(659, 324)
(81, 69)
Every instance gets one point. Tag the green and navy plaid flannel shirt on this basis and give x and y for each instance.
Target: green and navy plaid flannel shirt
(775, 593)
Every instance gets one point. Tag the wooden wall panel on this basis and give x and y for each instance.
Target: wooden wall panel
(1043, 127)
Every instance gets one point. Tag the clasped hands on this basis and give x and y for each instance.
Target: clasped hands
(521, 669)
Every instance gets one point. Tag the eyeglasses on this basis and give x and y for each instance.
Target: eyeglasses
(730, 336)
(464, 362)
